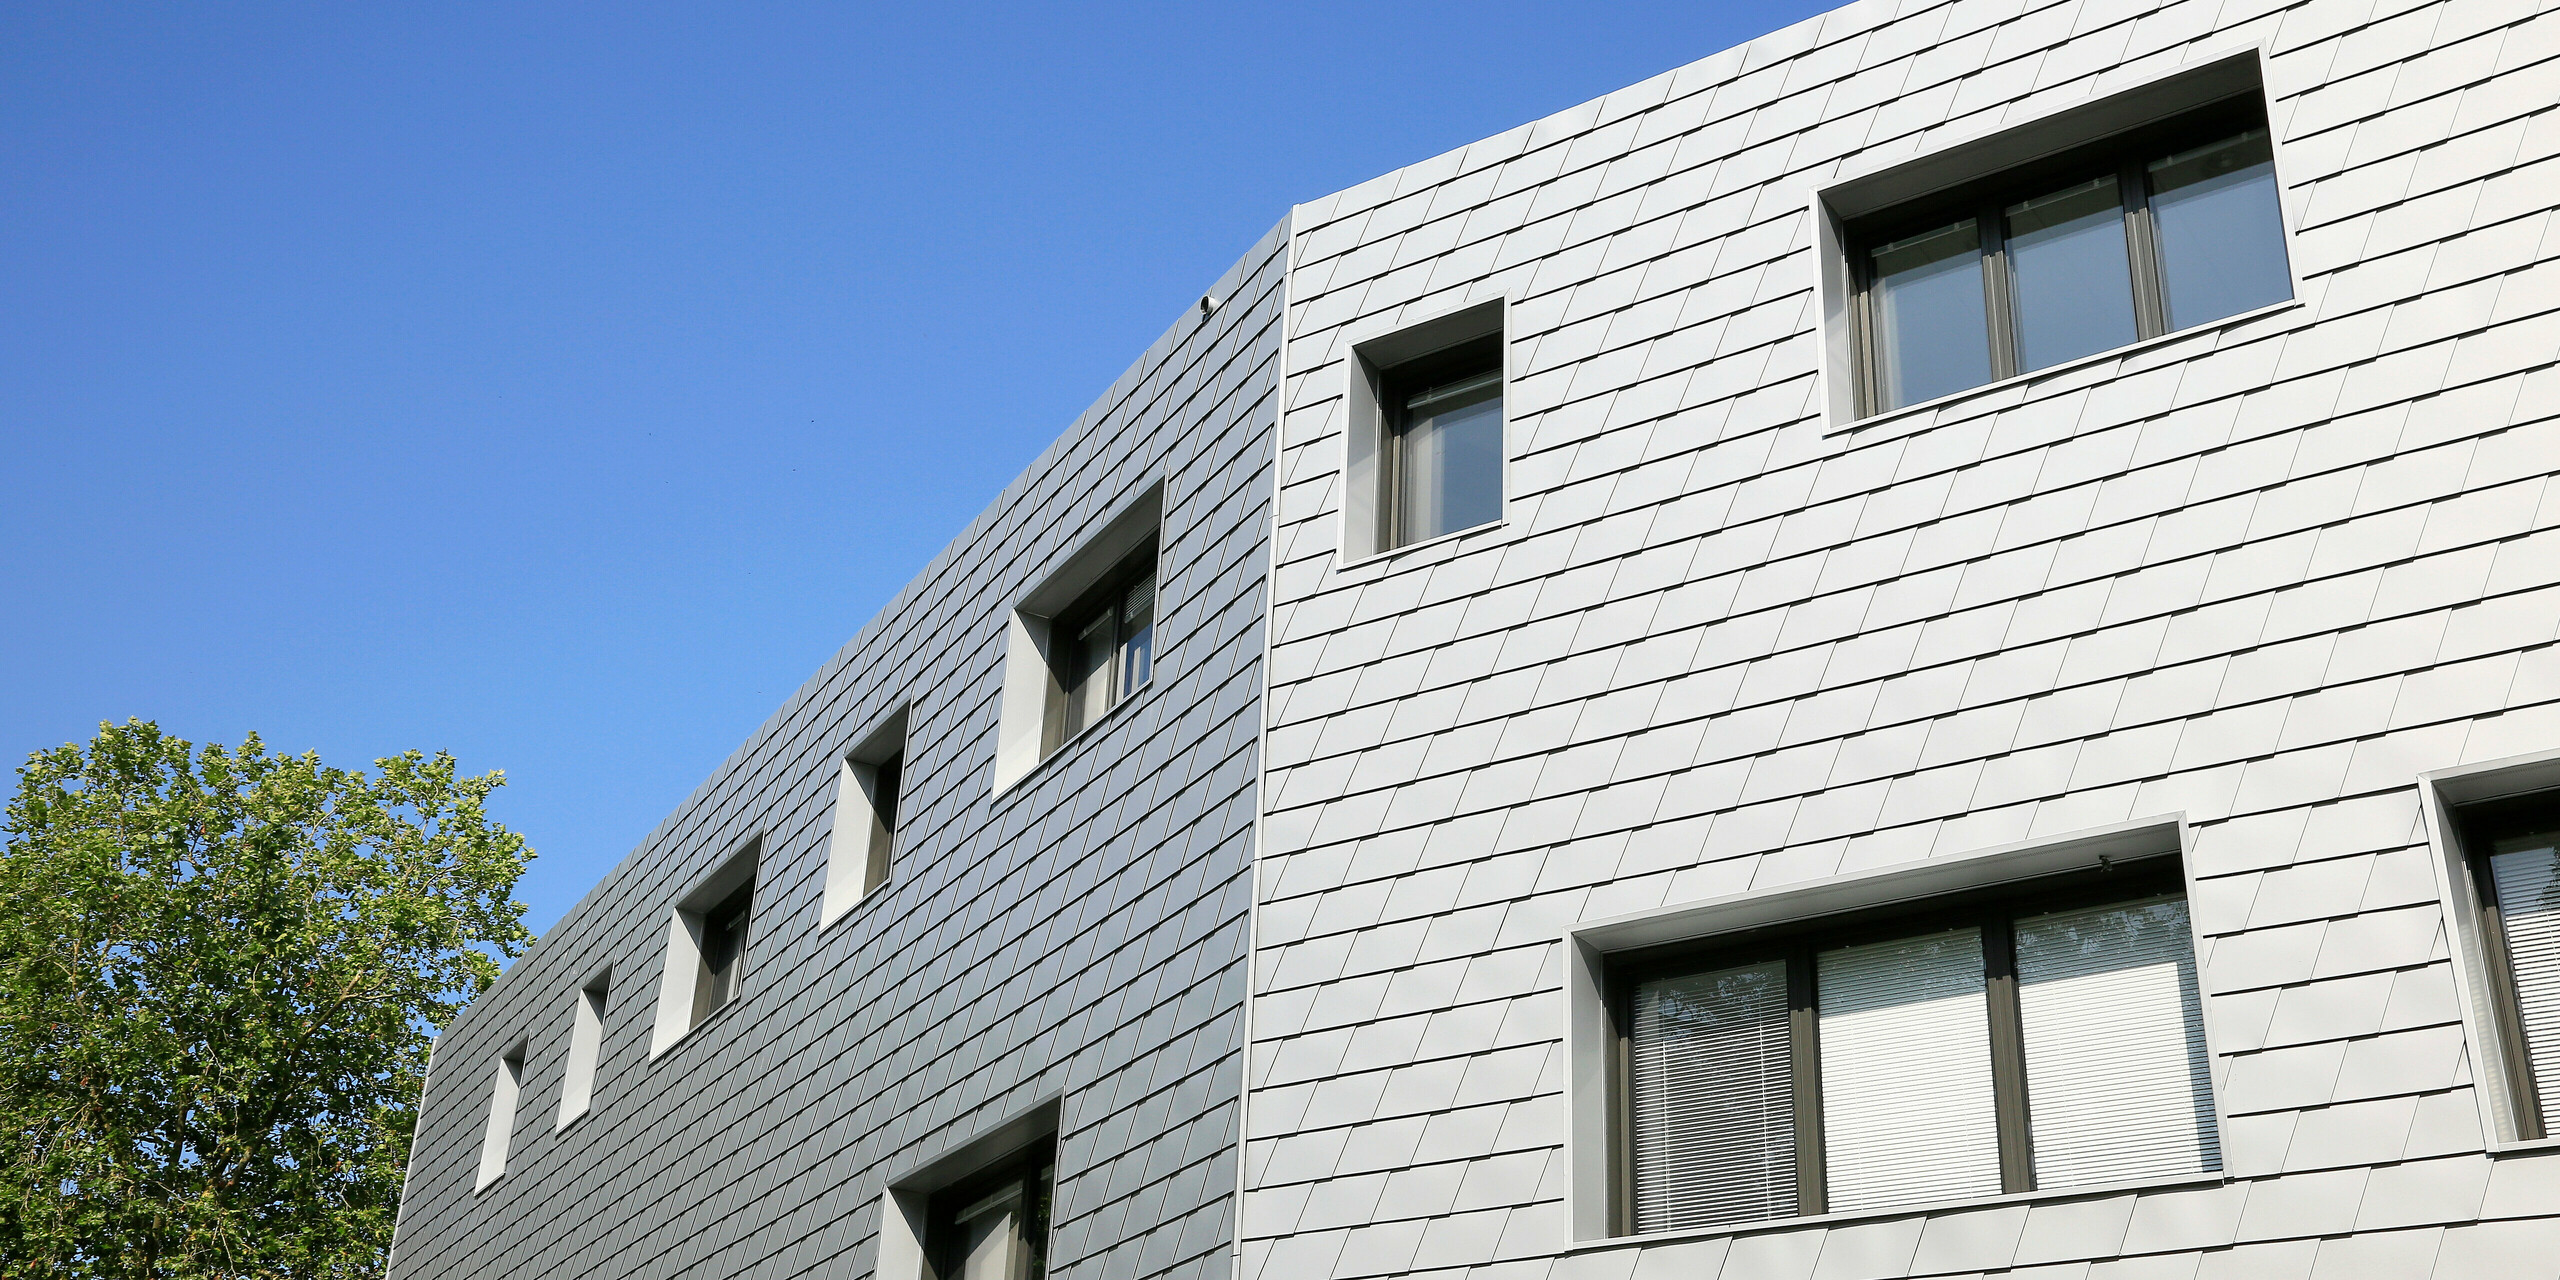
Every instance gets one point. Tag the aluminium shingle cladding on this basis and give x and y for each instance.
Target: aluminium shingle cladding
(2262, 574)
(1080, 935)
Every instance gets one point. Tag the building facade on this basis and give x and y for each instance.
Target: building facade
(1923, 648)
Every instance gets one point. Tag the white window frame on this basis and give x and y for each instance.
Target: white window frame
(586, 1048)
(2440, 793)
(1022, 715)
(1589, 1032)
(497, 1134)
(857, 813)
(683, 963)
(1375, 348)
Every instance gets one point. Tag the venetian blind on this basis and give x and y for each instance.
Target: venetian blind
(2119, 1088)
(1713, 1099)
(2525, 872)
(1907, 1110)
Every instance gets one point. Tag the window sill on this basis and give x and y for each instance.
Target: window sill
(2521, 1146)
(855, 907)
(1356, 563)
(1011, 789)
(564, 1125)
(2213, 1179)
(1903, 415)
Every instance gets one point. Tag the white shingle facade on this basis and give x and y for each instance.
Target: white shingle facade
(2246, 582)
(2277, 593)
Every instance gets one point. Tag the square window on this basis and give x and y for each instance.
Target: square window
(1102, 647)
(1083, 641)
(2044, 1035)
(2123, 220)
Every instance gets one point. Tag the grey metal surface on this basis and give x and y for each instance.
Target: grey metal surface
(1079, 935)
(2263, 574)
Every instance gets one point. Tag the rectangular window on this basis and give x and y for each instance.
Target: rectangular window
(2513, 850)
(1985, 1044)
(995, 1226)
(862, 843)
(500, 1131)
(1102, 647)
(1443, 455)
(2159, 229)
(723, 953)
(586, 1045)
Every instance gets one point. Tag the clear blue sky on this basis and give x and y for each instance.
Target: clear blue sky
(561, 385)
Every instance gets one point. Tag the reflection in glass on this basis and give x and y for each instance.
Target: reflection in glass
(2117, 1074)
(2524, 876)
(1449, 458)
(2221, 233)
(2070, 275)
(1713, 1099)
(1931, 337)
(1907, 1101)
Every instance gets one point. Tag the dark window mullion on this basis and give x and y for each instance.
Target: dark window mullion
(1999, 300)
(1804, 1043)
(2504, 1006)
(2008, 1055)
(1862, 354)
(2142, 248)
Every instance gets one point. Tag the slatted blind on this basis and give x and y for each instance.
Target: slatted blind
(2119, 1088)
(2525, 873)
(1906, 1072)
(1713, 1099)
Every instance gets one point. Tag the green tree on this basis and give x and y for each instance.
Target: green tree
(219, 974)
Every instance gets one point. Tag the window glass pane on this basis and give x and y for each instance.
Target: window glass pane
(1449, 459)
(987, 1233)
(1713, 1098)
(2524, 876)
(1930, 337)
(2118, 1085)
(1084, 671)
(1907, 1110)
(2221, 232)
(1137, 636)
(886, 777)
(2070, 275)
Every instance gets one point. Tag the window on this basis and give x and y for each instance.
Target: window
(1425, 441)
(994, 1226)
(1443, 463)
(2512, 848)
(707, 948)
(494, 1139)
(1102, 647)
(1985, 1043)
(1083, 640)
(862, 846)
(724, 952)
(586, 1045)
(2150, 231)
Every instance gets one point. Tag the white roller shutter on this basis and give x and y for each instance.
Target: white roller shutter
(1907, 1106)
(2119, 1088)
(2527, 883)
(1713, 1099)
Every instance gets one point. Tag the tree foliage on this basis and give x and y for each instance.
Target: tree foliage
(219, 973)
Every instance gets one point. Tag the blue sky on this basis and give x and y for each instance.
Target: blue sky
(561, 385)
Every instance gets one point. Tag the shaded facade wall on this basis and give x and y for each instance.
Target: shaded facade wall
(2262, 575)
(1079, 935)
